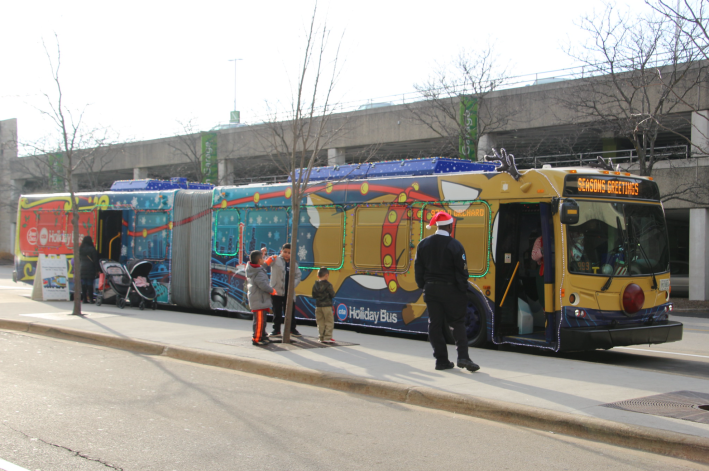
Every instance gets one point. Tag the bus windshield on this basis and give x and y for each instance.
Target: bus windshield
(620, 239)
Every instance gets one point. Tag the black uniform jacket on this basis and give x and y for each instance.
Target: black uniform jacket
(441, 259)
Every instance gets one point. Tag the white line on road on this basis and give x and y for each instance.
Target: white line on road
(15, 287)
(7, 466)
(658, 351)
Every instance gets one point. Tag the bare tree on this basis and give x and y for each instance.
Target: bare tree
(639, 72)
(456, 105)
(188, 147)
(295, 144)
(74, 140)
(690, 19)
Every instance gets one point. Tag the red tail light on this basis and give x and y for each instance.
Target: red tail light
(633, 298)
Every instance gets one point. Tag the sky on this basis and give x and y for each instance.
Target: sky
(141, 68)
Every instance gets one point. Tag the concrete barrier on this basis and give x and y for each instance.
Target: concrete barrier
(667, 443)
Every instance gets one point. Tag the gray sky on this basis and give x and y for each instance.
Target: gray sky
(142, 66)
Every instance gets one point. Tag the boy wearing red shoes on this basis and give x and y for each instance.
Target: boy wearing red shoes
(260, 291)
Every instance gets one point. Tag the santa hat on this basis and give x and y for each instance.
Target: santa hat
(441, 218)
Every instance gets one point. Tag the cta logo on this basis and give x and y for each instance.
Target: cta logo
(43, 236)
(342, 312)
(32, 236)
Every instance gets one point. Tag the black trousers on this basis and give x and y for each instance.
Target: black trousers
(279, 309)
(87, 290)
(446, 304)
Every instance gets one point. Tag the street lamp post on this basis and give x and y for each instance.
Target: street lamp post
(235, 115)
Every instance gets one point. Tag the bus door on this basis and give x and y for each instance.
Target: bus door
(519, 283)
(108, 243)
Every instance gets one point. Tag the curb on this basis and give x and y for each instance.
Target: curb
(667, 443)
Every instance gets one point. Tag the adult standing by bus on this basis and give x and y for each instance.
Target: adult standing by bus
(89, 264)
(442, 273)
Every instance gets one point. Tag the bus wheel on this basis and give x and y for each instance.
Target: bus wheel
(475, 324)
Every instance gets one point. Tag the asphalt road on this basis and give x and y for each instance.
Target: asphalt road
(70, 406)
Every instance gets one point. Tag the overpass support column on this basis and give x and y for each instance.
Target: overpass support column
(8, 153)
(485, 144)
(700, 133)
(140, 173)
(699, 254)
(226, 172)
(336, 156)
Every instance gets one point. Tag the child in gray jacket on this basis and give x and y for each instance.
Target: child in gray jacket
(260, 291)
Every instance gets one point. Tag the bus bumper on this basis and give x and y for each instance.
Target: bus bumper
(595, 337)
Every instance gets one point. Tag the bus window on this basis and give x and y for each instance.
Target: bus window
(226, 237)
(151, 234)
(378, 230)
(325, 226)
(265, 228)
(470, 228)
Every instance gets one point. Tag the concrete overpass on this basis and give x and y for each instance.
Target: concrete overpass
(535, 126)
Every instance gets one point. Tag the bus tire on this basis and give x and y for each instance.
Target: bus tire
(476, 323)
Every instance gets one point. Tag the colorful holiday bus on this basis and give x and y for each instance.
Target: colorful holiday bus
(605, 280)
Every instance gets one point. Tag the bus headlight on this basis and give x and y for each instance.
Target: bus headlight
(633, 298)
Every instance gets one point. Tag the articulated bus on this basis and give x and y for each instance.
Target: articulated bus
(604, 283)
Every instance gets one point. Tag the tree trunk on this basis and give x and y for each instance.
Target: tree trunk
(75, 242)
(290, 300)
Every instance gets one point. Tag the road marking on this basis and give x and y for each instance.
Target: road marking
(658, 351)
(13, 287)
(7, 466)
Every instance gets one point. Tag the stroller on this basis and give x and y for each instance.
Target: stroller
(115, 283)
(141, 291)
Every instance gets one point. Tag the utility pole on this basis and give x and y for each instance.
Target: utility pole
(235, 116)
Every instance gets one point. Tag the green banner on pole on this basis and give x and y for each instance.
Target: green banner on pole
(55, 162)
(210, 169)
(468, 127)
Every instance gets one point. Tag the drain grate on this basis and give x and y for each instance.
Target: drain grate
(685, 405)
(299, 343)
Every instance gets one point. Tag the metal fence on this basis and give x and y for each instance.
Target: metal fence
(625, 157)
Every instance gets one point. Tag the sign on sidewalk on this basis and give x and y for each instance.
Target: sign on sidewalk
(51, 282)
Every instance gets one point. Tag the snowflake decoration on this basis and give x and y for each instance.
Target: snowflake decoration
(150, 244)
(302, 219)
(302, 253)
(251, 220)
(157, 198)
(259, 220)
(275, 219)
(124, 250)
(269, 235)
(134, 202)
(140, 247)
(231, 218)
(309, 235)
(277, 236)
(223, 239)
(142, 220)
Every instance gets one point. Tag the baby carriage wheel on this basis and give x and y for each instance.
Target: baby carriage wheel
(121, 302)
(99, 300)
(142, 305)
(155, 305)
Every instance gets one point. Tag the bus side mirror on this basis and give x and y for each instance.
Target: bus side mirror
(569, 212)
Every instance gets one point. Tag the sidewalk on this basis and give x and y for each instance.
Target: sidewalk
(543, 381)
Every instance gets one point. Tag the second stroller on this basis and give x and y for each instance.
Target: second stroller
(141, 292)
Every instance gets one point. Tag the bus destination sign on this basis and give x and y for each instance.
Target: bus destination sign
(610, 186)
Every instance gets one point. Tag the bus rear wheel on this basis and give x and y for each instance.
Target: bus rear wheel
(475, 323)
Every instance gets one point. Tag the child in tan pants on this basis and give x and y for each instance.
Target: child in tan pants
(324, 294)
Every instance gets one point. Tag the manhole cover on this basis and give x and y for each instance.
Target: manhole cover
(299, 343)
(685, 405)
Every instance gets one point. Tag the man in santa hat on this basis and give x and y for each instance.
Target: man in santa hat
(442, 273)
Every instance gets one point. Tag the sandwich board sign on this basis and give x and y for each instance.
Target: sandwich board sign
(51, 282)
